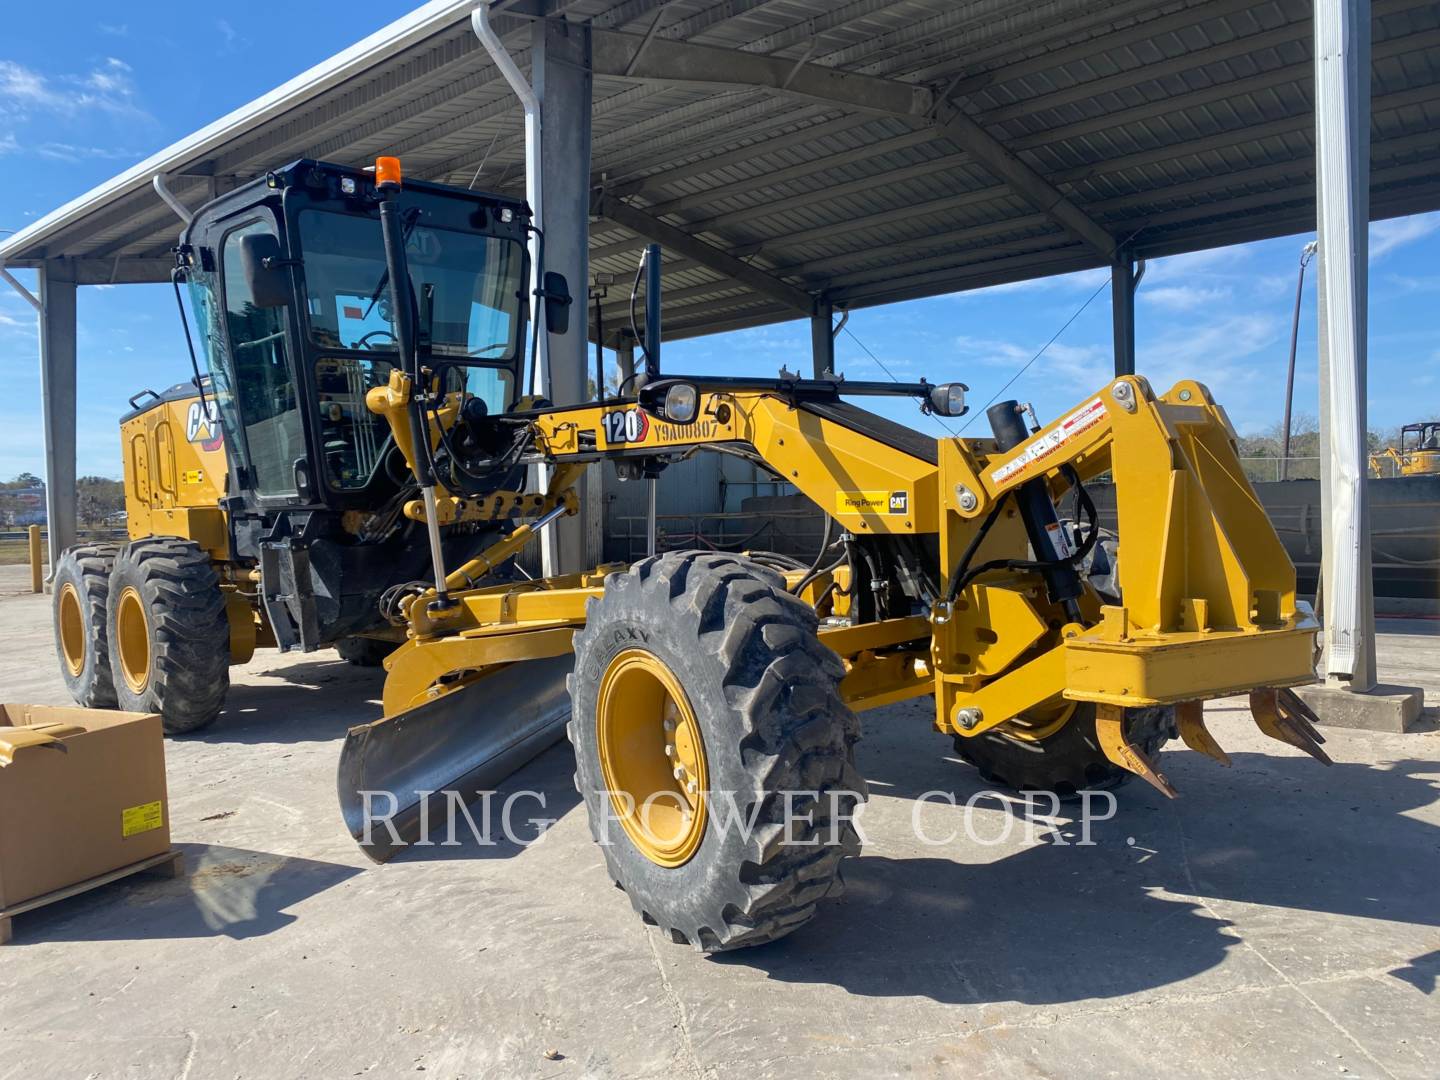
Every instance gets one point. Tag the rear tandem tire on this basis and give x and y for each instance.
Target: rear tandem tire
(168, 635)
(365, 652)
(762, 694)
(1067, 761)
(81, 585)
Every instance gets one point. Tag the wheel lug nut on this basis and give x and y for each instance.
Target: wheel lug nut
(679, 772)
(669, 750)
(692, 787)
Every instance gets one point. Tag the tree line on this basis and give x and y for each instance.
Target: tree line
(98, 498)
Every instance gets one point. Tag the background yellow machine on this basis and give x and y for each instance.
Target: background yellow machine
(1417, 455)
(710, 697)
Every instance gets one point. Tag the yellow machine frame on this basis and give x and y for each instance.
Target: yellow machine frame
(1421, 459)
(175, 474)
(174, 461)
(1210, 606)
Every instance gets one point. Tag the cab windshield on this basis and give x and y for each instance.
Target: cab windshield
(467, 286)
(467, 289)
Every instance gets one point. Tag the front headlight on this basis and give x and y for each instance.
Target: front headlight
(948, 399)
(681, 403)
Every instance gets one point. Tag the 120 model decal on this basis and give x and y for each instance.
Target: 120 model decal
(625, 426)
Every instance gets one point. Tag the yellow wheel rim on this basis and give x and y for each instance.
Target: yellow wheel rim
(652, 757)
(132, 639)
(72, 630)
(1039, 725)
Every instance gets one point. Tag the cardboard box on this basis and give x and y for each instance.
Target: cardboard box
(98, 806)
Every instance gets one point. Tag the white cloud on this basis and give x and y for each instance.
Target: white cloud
(1386, 236)
(111, 78)
(1408, 284)
(1212, 262)
(1080, 366)
(106, 88)
(1083, 279)
(233, 40)
(1220, 351)
(57, 151)
(1184, 297)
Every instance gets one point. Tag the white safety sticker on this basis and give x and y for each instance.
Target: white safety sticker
(1081, 420)
(1059, 539)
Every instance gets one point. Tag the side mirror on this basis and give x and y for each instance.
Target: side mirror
(556, 292)
(261, 265)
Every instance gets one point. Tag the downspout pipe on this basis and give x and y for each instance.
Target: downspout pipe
(163, 190)
(534, 194)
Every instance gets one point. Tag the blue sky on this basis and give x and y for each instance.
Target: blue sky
(88, 91)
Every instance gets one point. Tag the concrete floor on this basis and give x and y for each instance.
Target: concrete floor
(1278, 919)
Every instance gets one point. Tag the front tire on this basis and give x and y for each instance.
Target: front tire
(168, 636)
(701, 686)
(81, 587)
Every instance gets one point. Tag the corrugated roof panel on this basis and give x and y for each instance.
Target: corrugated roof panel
(1187, 119)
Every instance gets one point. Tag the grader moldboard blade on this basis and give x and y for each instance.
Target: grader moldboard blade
(467, 741)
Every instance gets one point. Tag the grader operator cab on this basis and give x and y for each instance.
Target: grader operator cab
(265, 502)
(710, 697)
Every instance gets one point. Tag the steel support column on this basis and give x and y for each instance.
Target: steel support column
(625, 378)
(1342, 170)
(1123, 280)
(57, 396)
(560, 74)
(822, 338)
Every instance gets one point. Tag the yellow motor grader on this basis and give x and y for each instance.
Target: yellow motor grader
(701, 689)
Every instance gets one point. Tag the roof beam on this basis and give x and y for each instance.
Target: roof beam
(1129, 78)
(759, 316)
(629, 56)
(119, 271)
(714, 193)
(1027, 183)
(1147, 25)
(670, 133)
(651, 185)
(1120, 119)
(771, 207)
(993, 272)
(697, 250)
(956, 259)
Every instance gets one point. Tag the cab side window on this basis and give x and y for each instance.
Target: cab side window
(264, 389)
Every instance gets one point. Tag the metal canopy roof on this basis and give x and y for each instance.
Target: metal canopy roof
(865, 151)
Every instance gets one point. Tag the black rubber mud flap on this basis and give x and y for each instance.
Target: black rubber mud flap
(468, 741)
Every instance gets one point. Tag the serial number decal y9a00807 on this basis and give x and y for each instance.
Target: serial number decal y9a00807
(625, 426)
(632, 426)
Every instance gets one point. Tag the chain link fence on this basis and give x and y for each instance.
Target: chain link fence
(1266, 469)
